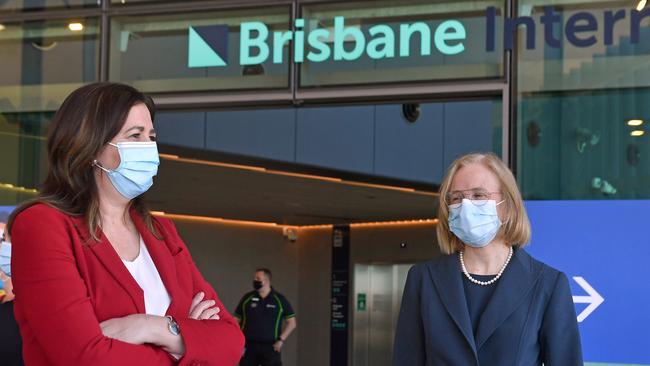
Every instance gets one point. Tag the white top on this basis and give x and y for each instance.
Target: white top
(143, 270)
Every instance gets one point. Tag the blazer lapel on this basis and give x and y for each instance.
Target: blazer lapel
(109, 258)
(446, 277)
(517, 281)
(161, 256)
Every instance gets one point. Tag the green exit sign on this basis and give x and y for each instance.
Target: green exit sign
(361, 302)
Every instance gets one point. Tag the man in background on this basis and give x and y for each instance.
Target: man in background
(267, 319)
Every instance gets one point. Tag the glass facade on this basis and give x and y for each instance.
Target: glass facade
(39, 5)
(583, 115)
(579, 71)
(402, 42)
(42, 62)
(152, 53)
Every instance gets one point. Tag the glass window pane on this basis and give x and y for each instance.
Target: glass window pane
(43, 61)
(582, 105)
(127, 2)
(23, 154)
(36, 5)
(388, 41)
(193, 51)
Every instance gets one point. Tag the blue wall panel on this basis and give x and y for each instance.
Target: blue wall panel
(266, 133)
(339, 138)
(181, 128)
(468, 128)
(411, 151)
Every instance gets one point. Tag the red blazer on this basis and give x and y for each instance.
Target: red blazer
(64, 288)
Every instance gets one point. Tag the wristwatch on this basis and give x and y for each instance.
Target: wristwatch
(173, 326)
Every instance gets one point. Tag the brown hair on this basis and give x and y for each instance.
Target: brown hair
(86, 121)
(516, 227)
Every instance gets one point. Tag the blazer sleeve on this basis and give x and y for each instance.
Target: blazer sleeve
(409, 348)
(560, 338)
(53, 300)
(207, 342)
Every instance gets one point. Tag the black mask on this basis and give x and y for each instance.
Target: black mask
(257, 285)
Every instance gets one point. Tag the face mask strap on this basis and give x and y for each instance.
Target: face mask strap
(96, 163)
(506, 221)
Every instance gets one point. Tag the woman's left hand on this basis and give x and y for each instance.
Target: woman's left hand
(130, 329)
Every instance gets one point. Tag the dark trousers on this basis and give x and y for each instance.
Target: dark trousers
(260, 354)
(10, 343)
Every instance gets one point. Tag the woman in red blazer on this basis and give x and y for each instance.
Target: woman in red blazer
(98, 280)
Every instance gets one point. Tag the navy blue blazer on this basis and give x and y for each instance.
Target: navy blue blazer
(529, 320)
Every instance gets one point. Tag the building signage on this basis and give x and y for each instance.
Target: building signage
(208, 45)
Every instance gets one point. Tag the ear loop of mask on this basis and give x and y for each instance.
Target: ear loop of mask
(96, 163)
(502, 201)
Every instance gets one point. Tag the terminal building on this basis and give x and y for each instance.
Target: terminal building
(310, 137)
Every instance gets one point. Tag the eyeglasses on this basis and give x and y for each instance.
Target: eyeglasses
(478, 197)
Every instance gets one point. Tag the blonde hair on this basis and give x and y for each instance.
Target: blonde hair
(515, 230)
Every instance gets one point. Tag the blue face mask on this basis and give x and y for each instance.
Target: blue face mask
(475, 223)
(5, 257)
(138, 165)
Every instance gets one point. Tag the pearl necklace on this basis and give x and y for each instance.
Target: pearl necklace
(484, 283)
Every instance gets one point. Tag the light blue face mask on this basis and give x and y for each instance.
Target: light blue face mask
(138, 165)
(5, 257)
(475, 224)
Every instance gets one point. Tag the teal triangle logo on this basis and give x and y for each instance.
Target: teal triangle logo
(207, 45)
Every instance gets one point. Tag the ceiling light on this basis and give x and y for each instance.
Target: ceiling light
(76, 26)
(635, 122)
(637, 133)
(641, 5)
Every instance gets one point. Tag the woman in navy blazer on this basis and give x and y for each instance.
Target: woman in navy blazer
(485, 301)
(99, 280)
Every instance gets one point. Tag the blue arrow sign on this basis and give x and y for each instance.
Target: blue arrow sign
(593, 300)
(604, 246)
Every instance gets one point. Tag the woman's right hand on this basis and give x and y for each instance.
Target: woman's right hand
(203, 309)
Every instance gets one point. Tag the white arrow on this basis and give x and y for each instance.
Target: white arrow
(594, 299)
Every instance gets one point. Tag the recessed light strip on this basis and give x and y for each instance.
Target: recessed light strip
(11, 187)
(219, 220)
(214, 220)
(297, 175)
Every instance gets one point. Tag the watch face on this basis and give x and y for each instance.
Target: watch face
(173, 326)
